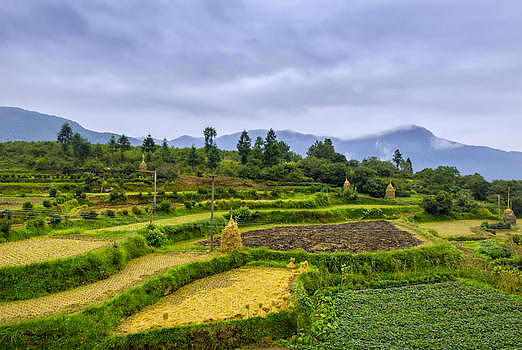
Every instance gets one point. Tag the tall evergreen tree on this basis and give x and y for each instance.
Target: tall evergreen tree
(65, 135)
(271, 154)
(192, 159)
(243, 146)
(113, 144)
(149, 146)
(210, 134)
(397, 159)
(124, 143)
(213, 158)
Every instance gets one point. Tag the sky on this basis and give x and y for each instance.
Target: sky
(327, 67)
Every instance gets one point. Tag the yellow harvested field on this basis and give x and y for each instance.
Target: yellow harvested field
(136, 272)
(458, 228)
(239, 293)
(46, 248)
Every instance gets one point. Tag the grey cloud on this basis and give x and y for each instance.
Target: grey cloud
(306, 65)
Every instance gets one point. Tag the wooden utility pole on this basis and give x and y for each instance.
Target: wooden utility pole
(212, 215)
(154, 201)
(498, 205)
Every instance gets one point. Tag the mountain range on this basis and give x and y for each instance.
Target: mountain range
(419, 144)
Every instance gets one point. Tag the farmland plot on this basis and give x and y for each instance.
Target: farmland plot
(352, 237)
(136, 271)
(453, 315)
(239, 293)
(47, 248)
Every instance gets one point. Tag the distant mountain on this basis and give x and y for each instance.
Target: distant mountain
(22, 125)
(419, 144)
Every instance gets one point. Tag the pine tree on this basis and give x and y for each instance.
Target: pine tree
(243, 146)
(192, 159)
(397, 159)
(65, 135)
(124, 143)
(271, 151)
(113, 145)
(148, 144)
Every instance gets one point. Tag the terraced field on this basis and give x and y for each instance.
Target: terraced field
(470, 228)
(47, 248)
(136, 271)
(239, 293)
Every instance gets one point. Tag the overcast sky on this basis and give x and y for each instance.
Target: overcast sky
(339, 68)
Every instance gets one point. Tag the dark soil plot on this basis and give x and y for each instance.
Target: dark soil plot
(352, 237)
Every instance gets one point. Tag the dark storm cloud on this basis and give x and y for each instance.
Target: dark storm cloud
(328, 67)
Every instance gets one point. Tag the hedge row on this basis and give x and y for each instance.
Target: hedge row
(34, 280)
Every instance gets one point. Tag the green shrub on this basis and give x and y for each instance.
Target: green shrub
(439, 204)
(36, 225)
(110, 213)
(55, 219)
(155, 238)
(27, 206)
(165, 206)
(136, 211)
(5, 226)
(53, 192)
(124, 212)
(493, 250)
(117, 196)
(89, 215)
(517, 238)
(188, 204)
(242, 214)
(47, 203)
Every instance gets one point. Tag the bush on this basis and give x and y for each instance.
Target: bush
(110, 213)
(36, 225)
(55, 219)
(124, 212)
(517, 238)
(47, 203)
(117, 196)
(242, 214)
(202, 190)
(136, 211)
(27, 206)
(350, 194)
(89, 215)
(493, 250)
(165, 206)
(155, 238)
(5, 226)
(189, 204)
(53, 192)
(439, 204)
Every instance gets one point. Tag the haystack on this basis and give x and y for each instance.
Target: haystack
(143, 165)
(346, 185)
(231, 237)
(390, 192)
(509, 216)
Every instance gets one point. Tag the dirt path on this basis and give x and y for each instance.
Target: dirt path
(39, 249)
(72, 300)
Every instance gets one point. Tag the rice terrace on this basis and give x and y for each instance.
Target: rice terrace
(260, 175)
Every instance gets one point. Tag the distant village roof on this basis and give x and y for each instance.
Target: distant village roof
(143, 165)
(390, 192)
